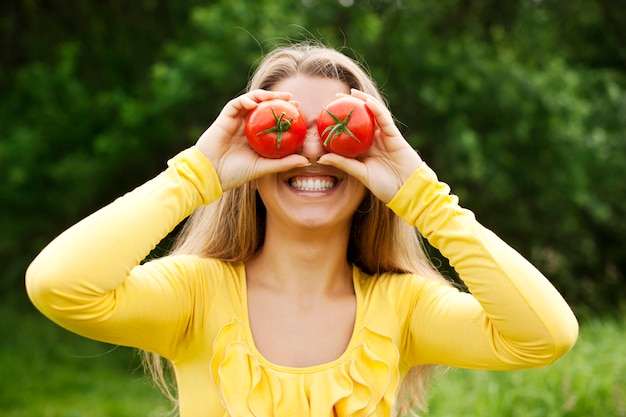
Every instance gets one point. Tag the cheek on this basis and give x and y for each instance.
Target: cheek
(265, 186)
(358, 190)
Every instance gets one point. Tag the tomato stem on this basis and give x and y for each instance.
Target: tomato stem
(281, 125)
(340, 126)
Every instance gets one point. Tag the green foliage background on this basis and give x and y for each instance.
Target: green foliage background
(520, 106)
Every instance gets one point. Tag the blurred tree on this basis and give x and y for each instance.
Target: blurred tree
(527, 130)
(520, 106)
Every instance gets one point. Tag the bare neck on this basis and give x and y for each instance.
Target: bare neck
(303, 262)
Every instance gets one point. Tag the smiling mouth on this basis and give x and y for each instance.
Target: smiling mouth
(318, 183)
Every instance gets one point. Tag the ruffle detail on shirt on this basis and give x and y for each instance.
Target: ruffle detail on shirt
(362, 383)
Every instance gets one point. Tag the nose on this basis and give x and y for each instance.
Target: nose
(312, 147)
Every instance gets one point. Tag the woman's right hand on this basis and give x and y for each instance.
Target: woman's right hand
(225, 145)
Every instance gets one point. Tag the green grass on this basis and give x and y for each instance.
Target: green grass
(46, 371)
(588, 381)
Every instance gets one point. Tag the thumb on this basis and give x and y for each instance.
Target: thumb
(372, 173)
(267, 166)
(350, 166)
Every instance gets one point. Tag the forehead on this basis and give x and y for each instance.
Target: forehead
(312, 93)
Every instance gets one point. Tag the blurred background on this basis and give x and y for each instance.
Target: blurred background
(519, 105)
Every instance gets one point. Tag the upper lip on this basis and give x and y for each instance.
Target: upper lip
(318, 171)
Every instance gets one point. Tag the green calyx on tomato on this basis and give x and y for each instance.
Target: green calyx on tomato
(282, 125)
(340, 126)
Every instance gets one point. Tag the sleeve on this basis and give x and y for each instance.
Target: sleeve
(90, 281)
(513, 318)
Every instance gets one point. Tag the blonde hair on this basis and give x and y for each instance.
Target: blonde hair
(232, 229)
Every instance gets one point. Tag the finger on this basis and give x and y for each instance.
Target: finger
(359, 94)
(237, 105)
(350, 166)
(265, 166)
(338, 95)
(248, 101)
(383, 116)
(262, 95)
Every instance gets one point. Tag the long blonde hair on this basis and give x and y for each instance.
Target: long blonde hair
(232, 229)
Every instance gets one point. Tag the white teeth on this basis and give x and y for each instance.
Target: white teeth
(312, 184)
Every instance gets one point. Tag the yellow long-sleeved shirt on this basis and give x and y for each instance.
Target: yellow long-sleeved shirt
(193, 310)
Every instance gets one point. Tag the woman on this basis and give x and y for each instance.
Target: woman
(289, 296)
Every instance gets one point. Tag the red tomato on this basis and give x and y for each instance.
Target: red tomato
(346, 127)
(275, 128)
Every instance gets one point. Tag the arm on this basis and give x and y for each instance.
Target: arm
(513, 318)
(89, 279)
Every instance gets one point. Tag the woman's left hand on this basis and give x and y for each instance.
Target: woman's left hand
(390, 160)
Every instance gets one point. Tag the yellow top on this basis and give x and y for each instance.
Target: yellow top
(193, 311)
